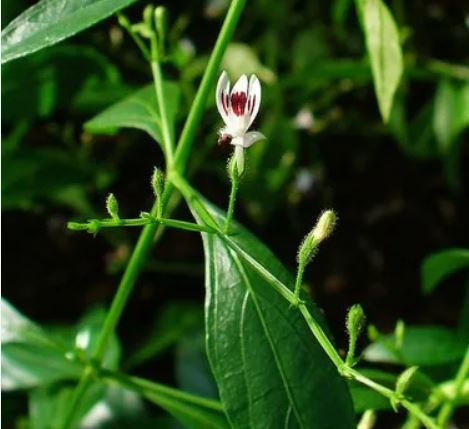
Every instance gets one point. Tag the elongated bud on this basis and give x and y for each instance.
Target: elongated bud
(367, 420)
(404, 380)
(123, 21)
(161, 23)
(112, 206)
(157, 182)
(399, 332)
(148, 16)
(324, 227)
(354, 322)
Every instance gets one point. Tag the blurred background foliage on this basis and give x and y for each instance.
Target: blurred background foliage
(400, 189)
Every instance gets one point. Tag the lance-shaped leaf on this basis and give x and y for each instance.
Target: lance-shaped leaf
(270, 370)
(139, 110)
(50, 21)
(384, 51)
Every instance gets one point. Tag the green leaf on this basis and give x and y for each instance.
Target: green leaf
(270, 370)
(440, 265)
(450, 113)
(50, 21)
(30, 357)
(172, 322)
(139, 110)
(48, 405)
(38, 85)
(422, 346)
(384, 51)
(193, 411)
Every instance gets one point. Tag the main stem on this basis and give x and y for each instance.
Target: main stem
(447, 409)
(145, 240)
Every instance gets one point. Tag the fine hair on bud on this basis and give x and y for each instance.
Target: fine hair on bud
(157, 182)
(310, 245)
(112, 206)
(355, 320)
(325, 225)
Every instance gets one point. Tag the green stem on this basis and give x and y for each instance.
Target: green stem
(448, 407)
(168, 141)
(414, 409)
(232, 201)
(93, 224)
(197, 110)
(145, 240)
(124, 22)
(299, 281)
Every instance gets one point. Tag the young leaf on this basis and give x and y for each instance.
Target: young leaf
(269, 368)
(137, 111)
(384, 51)
(439, 265)
(50, 21)
(421, 346)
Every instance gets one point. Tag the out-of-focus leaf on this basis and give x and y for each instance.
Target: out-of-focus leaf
(174, 320)
(384, 51)
(30, 357)
(309, 49)
(439, 265)
(268, 367)
(241, 59)
(424, 346)
(38, 85)
(192, 367)
(193, 411)
(30, 175)
(139, 110)
(50, 21)
(450, 113)
(48, 405)
(271, 163)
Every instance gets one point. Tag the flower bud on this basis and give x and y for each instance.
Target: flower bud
(161, 23)
(324, 227)
(123, 21)
(112, 207)
(148, 15)
(157, 182)
(403, 381)
(355, 320)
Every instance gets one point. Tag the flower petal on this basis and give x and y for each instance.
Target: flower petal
(239, 96)
(252, 137)
(254, 98)
(223, 97)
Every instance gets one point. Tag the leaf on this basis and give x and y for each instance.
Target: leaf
(172, 322)
(50, 21)
(193, 411)
(440, 265)
(30, 357)
(139, 110)
(38, 85)
(450, 113)
(270, 370)
(422, 346)
(384, 50)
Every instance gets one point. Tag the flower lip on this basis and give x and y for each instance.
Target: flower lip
(238, 107)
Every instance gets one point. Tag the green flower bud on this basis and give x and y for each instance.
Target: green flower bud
(157, 182)
(161, 23)
(112, 206)
(403, 381)
(324, 227)
(354, 322)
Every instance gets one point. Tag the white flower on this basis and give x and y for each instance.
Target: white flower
(239, 108)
